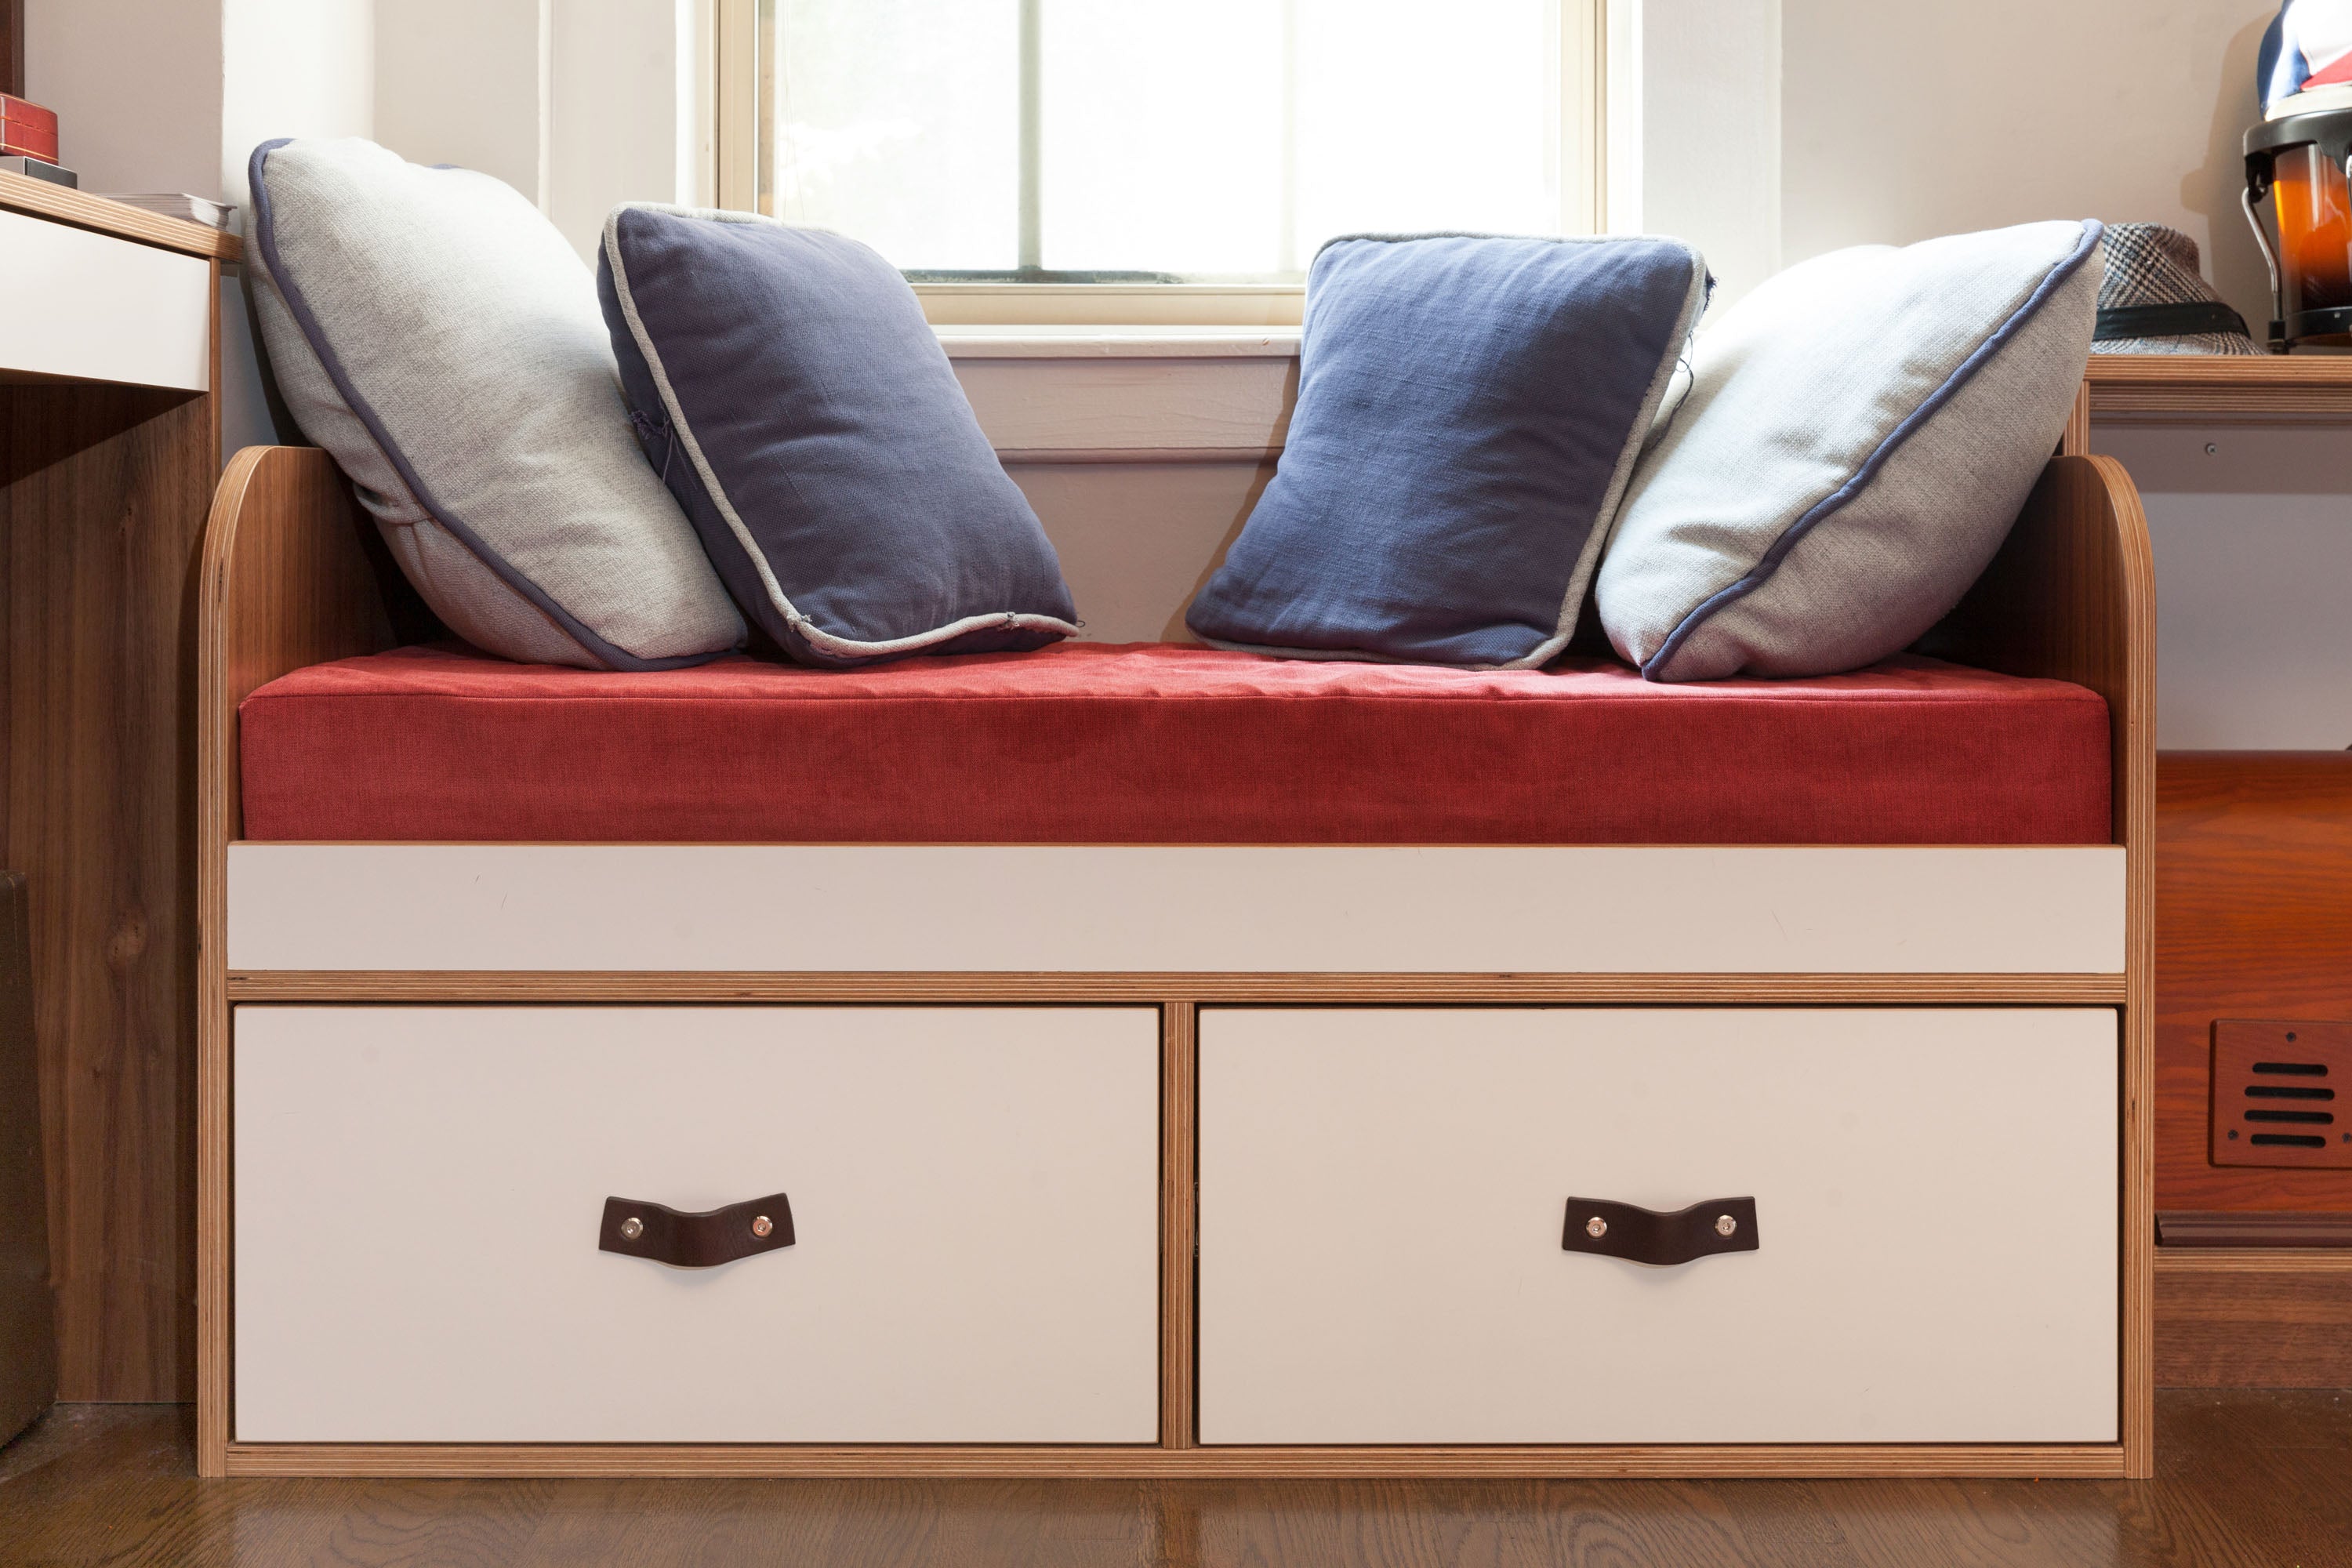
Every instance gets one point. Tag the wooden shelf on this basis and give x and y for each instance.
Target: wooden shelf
(2221, 388)
(23, 194)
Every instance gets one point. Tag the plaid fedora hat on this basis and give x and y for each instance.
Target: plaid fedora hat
(2155, 301)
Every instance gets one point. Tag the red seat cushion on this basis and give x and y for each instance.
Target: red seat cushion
(1162, 743)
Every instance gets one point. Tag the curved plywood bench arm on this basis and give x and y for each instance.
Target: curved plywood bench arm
(289, 581)
(286, 582)
(2072, 595)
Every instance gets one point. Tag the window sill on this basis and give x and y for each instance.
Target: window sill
(1089, 342)
(1238, 307)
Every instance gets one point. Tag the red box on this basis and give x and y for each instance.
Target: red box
(27, 129)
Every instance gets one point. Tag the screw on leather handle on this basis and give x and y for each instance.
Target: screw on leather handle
(638, 1229)
(1645, 1235)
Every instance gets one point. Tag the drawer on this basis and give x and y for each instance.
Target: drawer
(1383, 1193)
(95, 308)
(973, 1192)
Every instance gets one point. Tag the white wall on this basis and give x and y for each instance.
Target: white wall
(171, 95)
(1710, 75)
(1902, 119)
(578, 104)
(137, 88)
(463, 81)
(292, 67)
(1775, 130)
(622, 123)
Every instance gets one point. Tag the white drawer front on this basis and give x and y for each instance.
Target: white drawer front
(97, 307)
(1382, 1194)
(974, 1193)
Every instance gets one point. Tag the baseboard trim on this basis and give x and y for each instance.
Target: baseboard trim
(1664, 1460)
(2276, 1317)
(2200, 1228)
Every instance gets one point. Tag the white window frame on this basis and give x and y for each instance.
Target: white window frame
(733, 66)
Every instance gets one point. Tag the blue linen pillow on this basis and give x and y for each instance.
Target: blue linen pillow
(786, 385)
(1469, 410)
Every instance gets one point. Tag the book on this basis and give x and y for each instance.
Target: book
(39, 169)
(27, 129)
(181, 206)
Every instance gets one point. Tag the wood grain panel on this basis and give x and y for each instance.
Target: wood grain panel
(2076, 441)
(2273, 1319)
(286, 582)
(23, 194)
(671, 985)
(102, 493)
(421, 1459)
(2253, 855)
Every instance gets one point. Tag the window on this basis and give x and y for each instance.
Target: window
(1116, 160)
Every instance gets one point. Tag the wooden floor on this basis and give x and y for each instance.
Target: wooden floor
(2255, 1478)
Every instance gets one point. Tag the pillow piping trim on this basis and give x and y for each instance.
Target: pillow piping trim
(818, 638)
(1605, 515)
(2086, 245)
(265, 235)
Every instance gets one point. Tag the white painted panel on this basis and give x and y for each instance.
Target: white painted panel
(102, 309)
(1137, 541)
(1382, 1194)
(1077, 405)
(2252, 530)
(1302, 908)
(975, 1194)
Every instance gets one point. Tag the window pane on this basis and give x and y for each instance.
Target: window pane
(1414, 117)
(1218, 140)
(898, 121)
(1162, 137)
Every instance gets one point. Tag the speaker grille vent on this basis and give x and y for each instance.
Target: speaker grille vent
(2282, 1093)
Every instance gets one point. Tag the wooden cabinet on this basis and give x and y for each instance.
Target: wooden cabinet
(109, 444)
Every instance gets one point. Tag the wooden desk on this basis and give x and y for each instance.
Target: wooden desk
(2252, 852)
(110, 443)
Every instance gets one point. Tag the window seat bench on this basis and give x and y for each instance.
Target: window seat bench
(1145, 1060)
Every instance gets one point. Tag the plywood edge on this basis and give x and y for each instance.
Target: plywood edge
(2179, 1260)
(1178, 1221)
(1792, 1461)
(2218, 388)
(714, 986)
(1073, 985)
(39, 198)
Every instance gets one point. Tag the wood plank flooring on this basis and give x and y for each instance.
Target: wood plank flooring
(2260, 1478)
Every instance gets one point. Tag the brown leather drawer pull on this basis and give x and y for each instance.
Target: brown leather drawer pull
(640, 1229)
(1645, 1235)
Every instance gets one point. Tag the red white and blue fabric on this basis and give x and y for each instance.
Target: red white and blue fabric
(2309, 45)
